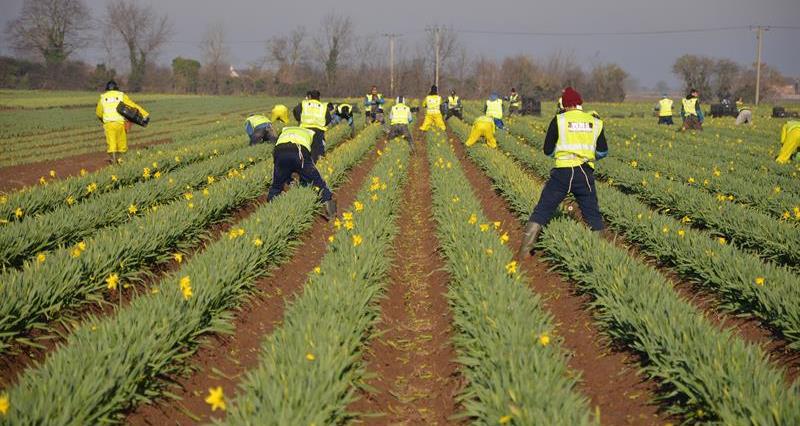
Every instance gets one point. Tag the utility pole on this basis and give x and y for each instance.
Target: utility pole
(435, 29)
(759, 38)
(391, 62)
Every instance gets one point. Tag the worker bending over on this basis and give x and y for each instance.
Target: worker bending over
(433, 110)
(743, 113)
(453, 106)
(691, 113)
(575, 139)
(315, 115)
(292, 154)
(343, 113)
(373, 106)
(482, 127)
(279, 112)
(114, 124)
(514, 103)
(664, 108)
(494, 109)
(790, 141)
(259, 129)
(399, 118)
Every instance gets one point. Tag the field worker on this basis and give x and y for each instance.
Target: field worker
(280, 112)
(575, 139)
(664, 108)
(483, 126)
(691, 113)
(315, 115)
(453, 106)
(790, 141)
(114, 124)
(343, 112)
(514, 103)
(743, 113)
(433, 110)
(373, 105)
(259, 129)
(292, 154)
(399, 118)
(494, 109)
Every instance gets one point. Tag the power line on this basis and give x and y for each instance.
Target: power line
(622, 33)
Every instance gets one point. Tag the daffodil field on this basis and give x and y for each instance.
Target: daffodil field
(118, 281)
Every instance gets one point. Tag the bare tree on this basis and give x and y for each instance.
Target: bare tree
(449, 46)
(725, 73)
(53, 29)
(288, 52)
(215, 53)
(695, 71)
(332, 44)
(140, 30)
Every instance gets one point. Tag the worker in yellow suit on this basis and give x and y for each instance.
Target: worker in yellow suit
(114, 124)
(433, 110)
(280, 112)
(483, 126)
(790, 141)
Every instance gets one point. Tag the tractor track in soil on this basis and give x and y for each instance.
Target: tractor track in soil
(608, 375)
(222, 360)
(412, 361)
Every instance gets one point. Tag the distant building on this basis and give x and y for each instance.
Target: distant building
(233, 72)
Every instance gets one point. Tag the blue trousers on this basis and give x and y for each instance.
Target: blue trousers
(579, 181)
(292, 158)
(498, 122)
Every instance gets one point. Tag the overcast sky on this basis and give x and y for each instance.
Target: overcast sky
(648, 58)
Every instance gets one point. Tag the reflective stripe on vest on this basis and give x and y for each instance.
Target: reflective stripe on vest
(400, 114)
(665, 108)
(296, 135)
(342, 107)
(432, 104)
(313, 114)
(368, 96)
(110, 100)
(452, 101)
(494, 108)
(689, 106)
(514, 100)
(577, 138)
(256, 120)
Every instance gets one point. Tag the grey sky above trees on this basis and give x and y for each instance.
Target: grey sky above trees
(648, 58)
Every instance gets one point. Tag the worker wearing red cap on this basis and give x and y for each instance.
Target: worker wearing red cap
(575, 139)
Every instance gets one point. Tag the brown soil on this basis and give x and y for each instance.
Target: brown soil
(608, 377)
(223, 359)
(15, 177)
(415, 379)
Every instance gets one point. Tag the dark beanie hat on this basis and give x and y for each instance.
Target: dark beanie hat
(570, 98)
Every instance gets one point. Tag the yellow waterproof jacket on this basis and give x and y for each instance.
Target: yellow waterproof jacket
(789, 127)
(432, 103)
(107, 106)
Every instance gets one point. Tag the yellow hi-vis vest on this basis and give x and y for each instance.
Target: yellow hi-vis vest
(110, 100)
(256, 120)
(312, 115)
(296, 135)
(452, 102)
(789, 127)
(665, 108)
(342, 107)
(400, 114)
(432, 104)
(740, 106)
(577, 138)
(368, 96)
(494, 108)
(689, 106)
(514, 100)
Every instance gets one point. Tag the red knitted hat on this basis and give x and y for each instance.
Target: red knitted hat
(570, 98)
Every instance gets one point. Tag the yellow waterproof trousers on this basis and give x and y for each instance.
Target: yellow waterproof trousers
(432, 118)
(485, 130)
(790, 146)
(116, 137)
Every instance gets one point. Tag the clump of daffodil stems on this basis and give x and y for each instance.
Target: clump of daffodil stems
(110, 364)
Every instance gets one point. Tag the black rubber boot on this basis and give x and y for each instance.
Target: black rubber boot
(330, 209)
(532, 230)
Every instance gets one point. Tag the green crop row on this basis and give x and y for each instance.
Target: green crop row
(67, 225)
(744, 226)
(744, 282)
(309, 364)
(110, 364)
(514, 365)
(41, 291)
(710, 375)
